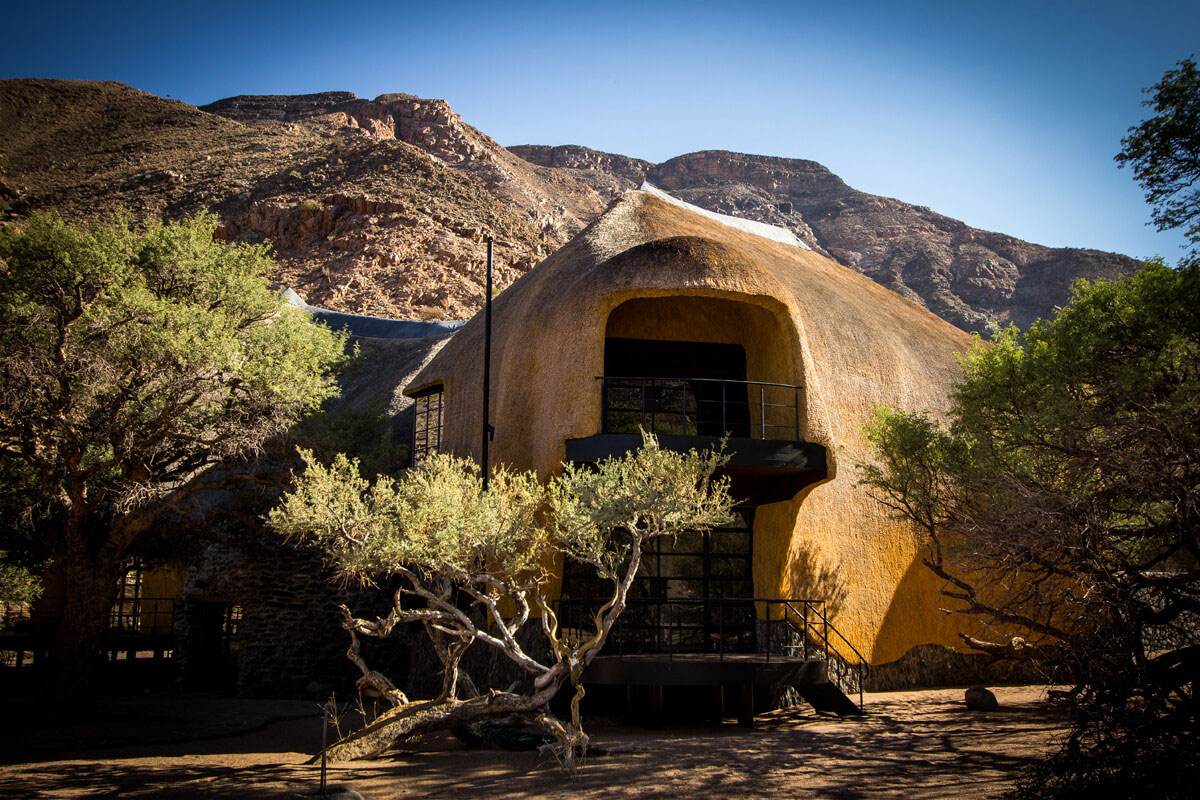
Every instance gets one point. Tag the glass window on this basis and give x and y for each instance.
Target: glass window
(427, 424)
(126, 613)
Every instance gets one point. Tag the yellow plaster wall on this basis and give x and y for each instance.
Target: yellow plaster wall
(163, 580)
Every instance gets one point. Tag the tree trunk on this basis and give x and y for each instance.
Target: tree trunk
(428, 716)
(91, 588)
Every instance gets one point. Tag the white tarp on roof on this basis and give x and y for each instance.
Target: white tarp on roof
(772, 232)
(372, 327)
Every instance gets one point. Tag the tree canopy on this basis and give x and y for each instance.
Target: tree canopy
(1164, 152)
(1061, 503)
(133, 362)
(473, 566)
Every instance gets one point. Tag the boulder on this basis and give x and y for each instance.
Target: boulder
(981, 699)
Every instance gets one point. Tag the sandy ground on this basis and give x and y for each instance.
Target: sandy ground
(922, 744)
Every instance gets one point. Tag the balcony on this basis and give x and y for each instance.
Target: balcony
(701, 407)
(760, 422)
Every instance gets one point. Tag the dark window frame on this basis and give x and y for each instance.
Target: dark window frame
(428, 420)
(126, 611)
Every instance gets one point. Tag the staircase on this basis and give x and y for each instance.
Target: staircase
(828, 698)
(801, 628)
(726, 643)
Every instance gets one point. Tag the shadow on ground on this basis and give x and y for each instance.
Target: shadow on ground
(913, 745)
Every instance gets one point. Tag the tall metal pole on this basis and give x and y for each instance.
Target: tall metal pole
(324, 741)
(487, 364)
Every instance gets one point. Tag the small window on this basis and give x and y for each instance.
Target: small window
(229, 628)
(126, 613)
(427, 424)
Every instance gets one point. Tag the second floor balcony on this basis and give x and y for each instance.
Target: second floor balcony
(760, 422)
(701, 407)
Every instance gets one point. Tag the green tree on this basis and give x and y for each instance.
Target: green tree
(446, 540)
(1062, 504)
(18, 583)
(138, 369)
(1164, 152)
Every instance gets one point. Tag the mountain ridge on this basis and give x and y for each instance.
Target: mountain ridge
(968, 276)
(380, 206)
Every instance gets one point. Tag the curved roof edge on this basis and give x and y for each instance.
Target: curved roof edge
(772, 232)
(366, 327)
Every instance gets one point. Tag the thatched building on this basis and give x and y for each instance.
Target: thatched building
(686, 323)
(691, 325)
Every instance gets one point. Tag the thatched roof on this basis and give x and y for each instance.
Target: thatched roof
(859, 344)
(385, 367)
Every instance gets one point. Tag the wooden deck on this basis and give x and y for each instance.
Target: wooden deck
(703, 669)
(753, 677)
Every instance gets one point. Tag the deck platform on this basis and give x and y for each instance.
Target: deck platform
(752, 677)
(703, 669)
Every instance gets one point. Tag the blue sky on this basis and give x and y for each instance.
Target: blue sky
(1004, 115)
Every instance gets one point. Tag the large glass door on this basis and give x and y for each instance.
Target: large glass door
(690, 594)
(675, 387)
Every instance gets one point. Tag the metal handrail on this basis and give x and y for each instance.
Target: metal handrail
(861, 666)
(692, 411)
(692, 380)
(809, 621)
(142, 616)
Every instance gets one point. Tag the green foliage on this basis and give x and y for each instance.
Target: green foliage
(1164, 151)
(129, 358)
(653, 491)
(1061, 503)
(138, 368)
(917, 459)
(476, 563)
(365, 436)
(436, 518)
(18, 584)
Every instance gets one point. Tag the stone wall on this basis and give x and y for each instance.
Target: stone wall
(930, 665)
(289, 641)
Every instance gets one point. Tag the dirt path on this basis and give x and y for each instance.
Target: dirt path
(912, 745)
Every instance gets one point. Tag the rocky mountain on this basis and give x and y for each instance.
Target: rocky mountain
(968, 276)
(380, 206)
(360, 219)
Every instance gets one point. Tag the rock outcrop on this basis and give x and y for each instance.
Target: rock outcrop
(968, 276)
(359, 221)
(380, 206)
(558, 208)
(610, 175)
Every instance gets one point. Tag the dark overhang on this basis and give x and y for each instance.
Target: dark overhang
(760, 470)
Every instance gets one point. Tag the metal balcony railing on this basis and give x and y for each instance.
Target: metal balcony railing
(768, 627)
(148, 616)
(701, 407)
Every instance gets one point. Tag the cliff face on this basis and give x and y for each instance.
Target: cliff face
(610, 175)
(360, 220)
(556, 206)
(380, 206)
(965, 275)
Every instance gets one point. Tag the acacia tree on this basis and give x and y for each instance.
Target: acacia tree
(133, 365)
(1164, 152)
(446, 539)
(1062, 505)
